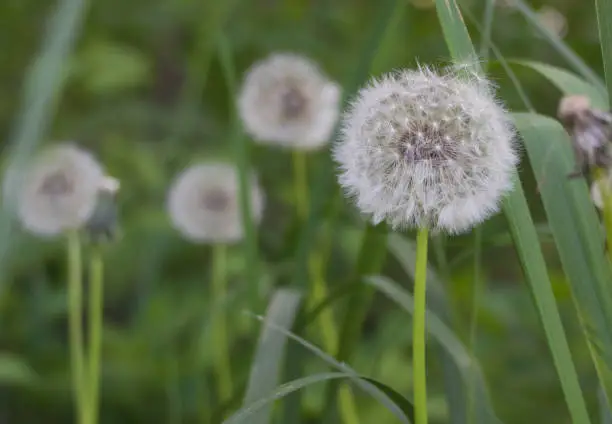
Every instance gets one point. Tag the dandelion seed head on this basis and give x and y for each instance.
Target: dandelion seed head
(204, 203)
(421, 148)
(573, 105)
(286, 100)
(56, 191)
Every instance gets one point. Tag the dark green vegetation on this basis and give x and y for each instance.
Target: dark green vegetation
(146, 88)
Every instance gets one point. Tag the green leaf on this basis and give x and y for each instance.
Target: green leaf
(245, 414)
(468, 368)
(267, 363)
(399, 400)
(576, 233)
(525, 238)
(343, 367)
(604, 22)
(568, 83)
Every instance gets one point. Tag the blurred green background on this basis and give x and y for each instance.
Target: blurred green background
(138, 93)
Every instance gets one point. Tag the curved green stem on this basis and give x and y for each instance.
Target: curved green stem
(602, 179)
(75, 324)
(96, 304)
(476, 291)
(219, 287)
(300, 183)
(418, 331)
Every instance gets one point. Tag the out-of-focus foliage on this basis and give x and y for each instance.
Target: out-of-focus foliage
(125, 99)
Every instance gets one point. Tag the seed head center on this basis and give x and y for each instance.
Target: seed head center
(56, 184)
(215, 200)
(293, 103)
(426, 143)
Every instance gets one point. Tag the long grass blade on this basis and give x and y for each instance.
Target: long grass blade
(267, 363)
(574, 225)
(604, 21)
(525, 237)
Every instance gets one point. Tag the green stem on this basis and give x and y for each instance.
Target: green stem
(219, 288)
(96, 303)
(300, 183)
(601, 179)
(418, 332)
(476, 291)
(75, 322)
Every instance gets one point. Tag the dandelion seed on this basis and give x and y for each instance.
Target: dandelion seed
(450, 173)
(286, 100)
(590, 130)
(204, 206)
(57, 190)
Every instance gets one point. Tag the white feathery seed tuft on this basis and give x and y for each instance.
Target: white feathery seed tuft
(56, 191)
(286, 100)
(204, 203)
(420, 148)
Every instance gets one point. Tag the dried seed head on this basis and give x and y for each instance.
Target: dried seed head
(286, 100)
(203, 203)
(56, 191)
(572, 106)
(425, 149)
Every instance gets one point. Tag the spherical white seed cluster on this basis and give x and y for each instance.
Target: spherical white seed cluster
(421, 148)
(56, 191)
(204, 203)
(287, 100)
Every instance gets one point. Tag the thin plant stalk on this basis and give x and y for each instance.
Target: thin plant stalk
(601, 178)
(96, 304)
(75, 324)
(476, 292)
(219, 288)
(418, 332)
(316, 267)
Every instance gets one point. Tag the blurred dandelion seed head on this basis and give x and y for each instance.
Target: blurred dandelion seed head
(56, 191)
(573, 105)
(204, 203)
(420, 148)
(553, 20)
(286, 100)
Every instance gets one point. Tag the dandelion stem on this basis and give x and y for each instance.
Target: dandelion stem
(96, 303)
(476, 291)
(75, 322)
(300, 176)
(418, 332)
(219, 287)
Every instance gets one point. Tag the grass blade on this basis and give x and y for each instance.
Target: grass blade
(574, 225)
(604, 22)
(469, 369)
(243, 166)
(572, 58)
(567, 82)
(525, 238)
(42, 87)
(342, 367)
(267, 363)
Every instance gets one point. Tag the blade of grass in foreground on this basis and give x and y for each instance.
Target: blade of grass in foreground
(372, 390)
(469, 369)
(243, 165)
(604, 21)
(267, 363)
(567, 208)
(525, 237)
(42, 87)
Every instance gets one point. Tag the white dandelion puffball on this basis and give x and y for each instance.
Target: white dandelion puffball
(56, 191)
(286, 100)
(420, 148)
(204, 203)
(604, 182)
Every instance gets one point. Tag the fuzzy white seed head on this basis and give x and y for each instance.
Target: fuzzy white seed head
(56, 191)
(420, 148)
(286, 100)
(204, 203)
